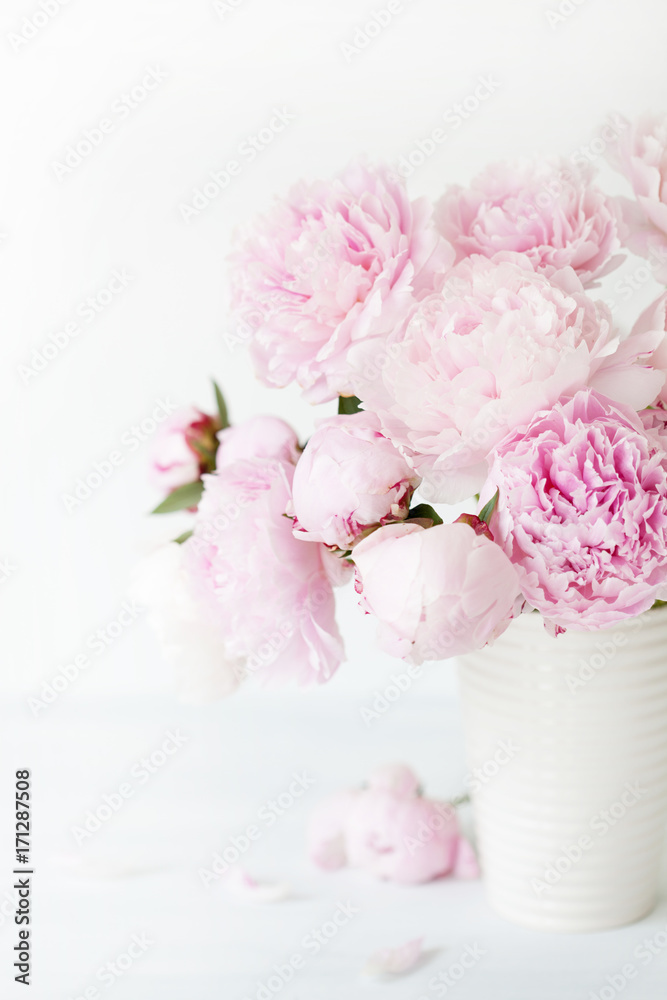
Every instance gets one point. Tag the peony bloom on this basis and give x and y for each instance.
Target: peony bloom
(481, 357)
(349, 479)
(270, 592)
(193, 641)
(582, 512)
(436, 592)
(549, 211)
(178, 446)
(327, 846)
(388, 829)
(652, 328)
(335, 264)
(641, 154)
(258, 437)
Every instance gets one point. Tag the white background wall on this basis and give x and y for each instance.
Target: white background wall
(119, 209)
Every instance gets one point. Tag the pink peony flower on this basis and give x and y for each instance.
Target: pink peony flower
(641, 154)
(476, 360)
(193, 641)
(436, 592)
(176, 459)
(257, 437)
(327, 846)
(549, 211)
(336, 263)
(270, 591)
(349, 479)
(654, 422)
(388, 829)
(582, 512)
(467, 865)
(651, 327)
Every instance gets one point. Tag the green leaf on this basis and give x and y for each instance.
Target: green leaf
(425, 510)
(185, 496)
(184, 537)
(460, 800)
(222, 406)
(488, 509)
(349, 404)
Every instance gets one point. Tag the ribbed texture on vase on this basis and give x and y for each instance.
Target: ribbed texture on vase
(567, 749)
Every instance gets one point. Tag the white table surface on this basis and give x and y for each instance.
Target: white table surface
(139, 872)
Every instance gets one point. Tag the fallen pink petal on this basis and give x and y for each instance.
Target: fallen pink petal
(395, 961)
(245, 888)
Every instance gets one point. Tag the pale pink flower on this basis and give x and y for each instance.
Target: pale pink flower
(654, 422)
(436, 592)
(467, 865)
(193, 641)
(333, 265)
(641, 154)
(349, 479)
(496, 345)
(257, 437)
(176, 460)
(582, 512)
(329, 823)
(326, 837)
(388, 829)
(548, 210)
(270, 591)
(651, 328)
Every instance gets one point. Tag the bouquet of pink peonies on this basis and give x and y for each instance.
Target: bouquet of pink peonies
(472, 362)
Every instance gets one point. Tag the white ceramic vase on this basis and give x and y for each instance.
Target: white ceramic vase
(567, 748)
